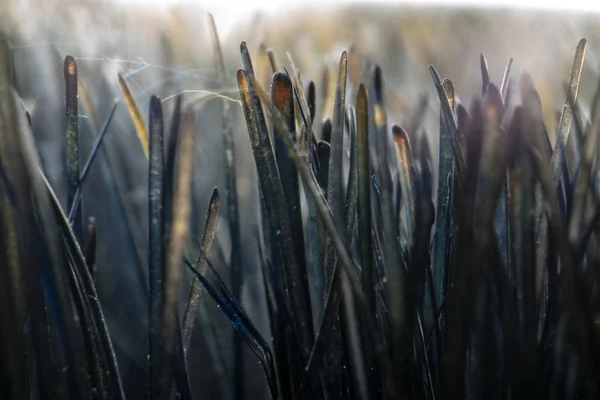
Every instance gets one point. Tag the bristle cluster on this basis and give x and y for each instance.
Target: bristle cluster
(469, 296)
(388, 271)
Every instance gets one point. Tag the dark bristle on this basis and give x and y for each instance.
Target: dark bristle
(449, 89)
(156, 256)
(446, 194)
(311, 94)
(88, 287)
(326, 131)
(434, 74)
(246, 58)
(155, 108)
(566, 115)
(283, 97)
(463, 122)
(329, 327)
(506, 80)
(378, 83)
(485, 74)
(323, 152)
(86, 168)
(90, 249)
(448, 119)
(72, 113)
(197, 289)
(176, 237)
(233, 214)
(273, 195)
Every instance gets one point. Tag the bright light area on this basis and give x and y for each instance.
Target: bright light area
(227, 12)
(265, 5)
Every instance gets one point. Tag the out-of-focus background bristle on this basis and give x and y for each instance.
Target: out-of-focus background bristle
(171, 38)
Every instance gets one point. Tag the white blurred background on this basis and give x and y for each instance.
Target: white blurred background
(227, 12)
